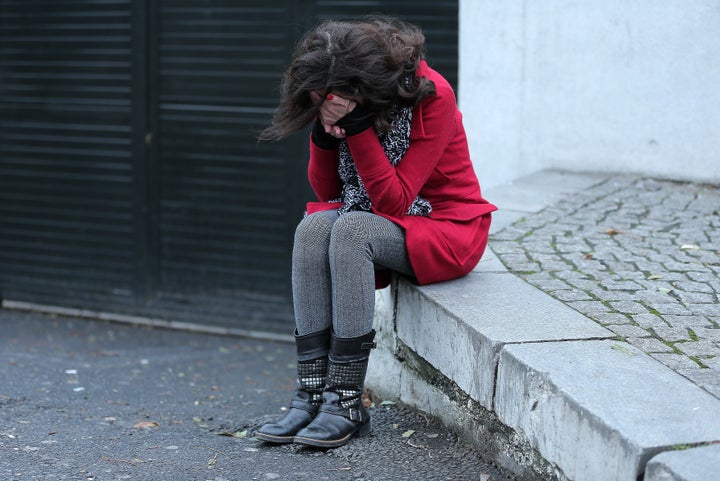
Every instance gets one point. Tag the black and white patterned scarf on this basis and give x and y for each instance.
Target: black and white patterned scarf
(395, 143)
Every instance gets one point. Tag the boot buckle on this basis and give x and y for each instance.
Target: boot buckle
(355, 415)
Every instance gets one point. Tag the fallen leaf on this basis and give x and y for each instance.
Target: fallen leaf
(664, 290)
(612, 231)
(212, 462)
(689, 247)
(146, 425)
(132, 462)
(408, 433)
(240, 434)
(623, 349)
(653, 277)
(366, 399)
(418, 446)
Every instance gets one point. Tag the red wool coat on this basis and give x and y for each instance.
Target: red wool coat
(450, 241)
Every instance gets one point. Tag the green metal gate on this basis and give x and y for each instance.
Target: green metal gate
(131, 180)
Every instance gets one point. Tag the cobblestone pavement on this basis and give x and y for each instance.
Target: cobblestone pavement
(639, 256)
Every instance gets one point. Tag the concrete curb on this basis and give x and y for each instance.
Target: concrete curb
(545, 391)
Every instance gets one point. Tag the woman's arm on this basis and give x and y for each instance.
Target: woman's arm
(393, 189)
(323, 172)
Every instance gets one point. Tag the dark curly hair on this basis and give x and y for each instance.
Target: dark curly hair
(374, 59)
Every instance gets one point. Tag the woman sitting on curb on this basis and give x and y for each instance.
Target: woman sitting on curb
(396, 190)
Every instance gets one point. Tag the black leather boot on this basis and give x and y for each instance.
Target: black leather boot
(342, 414)
(312, 363)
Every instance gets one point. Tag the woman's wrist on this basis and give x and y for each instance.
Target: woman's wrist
(321, 138)
(357, 120)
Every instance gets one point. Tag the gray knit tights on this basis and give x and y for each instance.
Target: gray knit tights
(333, 269)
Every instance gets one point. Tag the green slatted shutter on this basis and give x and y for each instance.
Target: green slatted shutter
(131, 181)
(66, 171)
(227, 204)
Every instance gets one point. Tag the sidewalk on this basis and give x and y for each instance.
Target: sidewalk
(585, 343)
(85, 400)
(640, 257)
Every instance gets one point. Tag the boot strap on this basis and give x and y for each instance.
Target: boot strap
(304, 405)
(353, 414)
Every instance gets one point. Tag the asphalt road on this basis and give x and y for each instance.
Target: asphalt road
(85, 400)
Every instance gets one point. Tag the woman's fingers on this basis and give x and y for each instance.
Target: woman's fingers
(336, 107)
(333, 109)
(333, 129)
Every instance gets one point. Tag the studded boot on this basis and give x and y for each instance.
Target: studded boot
(312, 363)
(342, 414)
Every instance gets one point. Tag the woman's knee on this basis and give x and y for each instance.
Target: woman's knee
(352, 230)
(315, 227)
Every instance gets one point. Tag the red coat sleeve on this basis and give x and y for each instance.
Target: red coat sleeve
(323, 173)
(393, 189)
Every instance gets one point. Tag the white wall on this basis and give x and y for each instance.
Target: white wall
(591, 85)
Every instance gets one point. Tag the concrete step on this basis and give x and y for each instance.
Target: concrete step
(545, 391)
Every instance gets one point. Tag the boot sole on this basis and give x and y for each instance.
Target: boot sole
(363, 430)
(274, 439)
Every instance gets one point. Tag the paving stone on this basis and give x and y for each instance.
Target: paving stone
(500, 247)
(670, 334)
(626, 296)
(652, 296)
(683, 266)
(648, 320)
(712, 334)
(611, 318)
(701, 278)
(650, 345)
(629, 331)
(589, 307)
(675, 362)
(695, 297)
(571, 295)
(582, 283)
(631, 275)
(571, 275)
(629, 307)
(672, 309)
(704, 309)
(698, 348)
(688, 322)
(713, 363)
